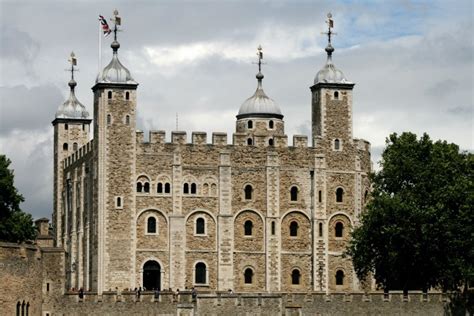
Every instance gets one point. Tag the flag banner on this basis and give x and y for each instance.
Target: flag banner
(105, 26)
(331, 23)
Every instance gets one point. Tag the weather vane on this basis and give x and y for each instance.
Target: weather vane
(330, 23)
(73, 60)
(117, 20)
(260, 58)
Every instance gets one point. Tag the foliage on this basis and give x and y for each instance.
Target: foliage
(418, 229)
(15, 225)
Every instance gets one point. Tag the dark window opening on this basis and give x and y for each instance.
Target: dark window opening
(270, 142)
(23, 308)
(249, 141)
(74, 146)
(339, 228)
(186, 188)
(146, 187)
(127, 95)
(193, 188)
(340, 277)
(151, 225)
(295, 277)
(18, 306)
(65, 146)
(200, 274)
(139, 187)
(320, 196)
(83, 127)
(270, 124)
(320, 229)
(249, 124)
(167, 188)
(66, 127)
(248, 226)
(109, 119)
(293, 229)
(294, 194)
(200, 226)
(127, 120)
(47, 287)
(248, 192)
(339, 194)
(248, 276)
(273, 228)
(159, 188)
(119, 202)
(337, 144)
(109, 95)
(336, 94)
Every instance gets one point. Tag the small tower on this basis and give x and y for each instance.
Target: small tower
(71, 131)
(115, 156)
(259, 116)
(331, 101)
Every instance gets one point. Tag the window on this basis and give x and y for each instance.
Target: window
(47, 287)
(167, 187)
(270, 142)
(66, 127)
(139, 187)
(127, 95)
(74, 146)
(186, 188)
(18, 306)
(200, 273)
(294, 193)
(273, 227)
(159, 188)
(127, 119)
(146, 187)
(65, 146)
(200, 226)
(109, 95)
(83, 127)
(118, 203)
(248, 192)
(248, 276)
(339, 195)
(295, 277)
(248, 225)
(320, 196)
(320, 229)
(336, 94)
(340, 277)
(337, 144)
(339, 228)
(294, 229)
(249, 141)
(151, 225)
(193, 188)
(249, 124)
(109, 119)
(270, 124)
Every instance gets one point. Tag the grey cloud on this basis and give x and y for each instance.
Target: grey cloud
(16, 44)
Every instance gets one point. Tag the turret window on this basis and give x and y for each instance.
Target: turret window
(151, 225)
(248, 190)
(250, 124)
(109, 119)
(200, 226)
(248, 276)
(294, 229)
(273, 227)
(200, 276)
(159, 188)
(270, 124)
(340, 277)
(339, 195)
(109, 95)
(249, 141)
(193, 188)
(294, 193)
(186, 188)
(143, 185)
(270, 142)
(248, 227)
(339, 230)
(127, 119)
(65, 146)
(295, 277)
(336, 95)
(66, 127)
(167, 187)
(127, 95)
(320, 229)
(74, 146)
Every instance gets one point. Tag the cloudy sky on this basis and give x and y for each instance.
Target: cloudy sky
(412, 62)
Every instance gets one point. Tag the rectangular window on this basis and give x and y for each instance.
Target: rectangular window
(47, 287)
(320, 196)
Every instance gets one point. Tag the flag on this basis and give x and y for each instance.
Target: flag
(105, 27)
(331, 23)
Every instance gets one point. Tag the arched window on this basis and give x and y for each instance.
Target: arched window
(336, 94)
(340, 277)
(186, 188)
(65, 146)
(205, 189)
(66, 127)
(320, 229)
(337, 144)
(193, 188)
(339, 195)
(127, 119)
(295, 276)
(23, 308)
(249, 124)
(167, 187)
(127, 95)
(27, 309)
(339, 229)
(18, 307)
(74, 146)
(200, 273)
(294, 229)
(248, 192)
(139, 187)
(270, 142)
(248, 276)
(159, 187)
(248, 226)
(109, 119)
(200, 226)
(146, 187)
(109, 95)
(294, 193)
(273, 227)
(270, 124)
(249, 141)
(151, 225)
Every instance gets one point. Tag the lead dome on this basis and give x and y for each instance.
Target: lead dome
(72, 108)
(115, 72)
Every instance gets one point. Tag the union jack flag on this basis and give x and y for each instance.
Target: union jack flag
(105, 26)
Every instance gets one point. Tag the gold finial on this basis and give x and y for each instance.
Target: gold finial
(260, 57)
(73, 61)
(329, 33)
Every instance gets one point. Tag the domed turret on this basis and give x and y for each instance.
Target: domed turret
(115, 72)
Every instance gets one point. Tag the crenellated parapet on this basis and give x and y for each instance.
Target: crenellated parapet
(80, 155)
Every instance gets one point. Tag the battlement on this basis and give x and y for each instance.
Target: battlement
(79, 154)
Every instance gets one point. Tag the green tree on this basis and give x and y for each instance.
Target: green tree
(15, 225)
(418, 229)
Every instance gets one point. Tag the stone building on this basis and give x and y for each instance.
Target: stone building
(256, 215)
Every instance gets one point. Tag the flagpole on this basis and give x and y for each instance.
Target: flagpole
(100, 48)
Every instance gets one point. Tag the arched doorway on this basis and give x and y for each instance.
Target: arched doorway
(152, 275)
